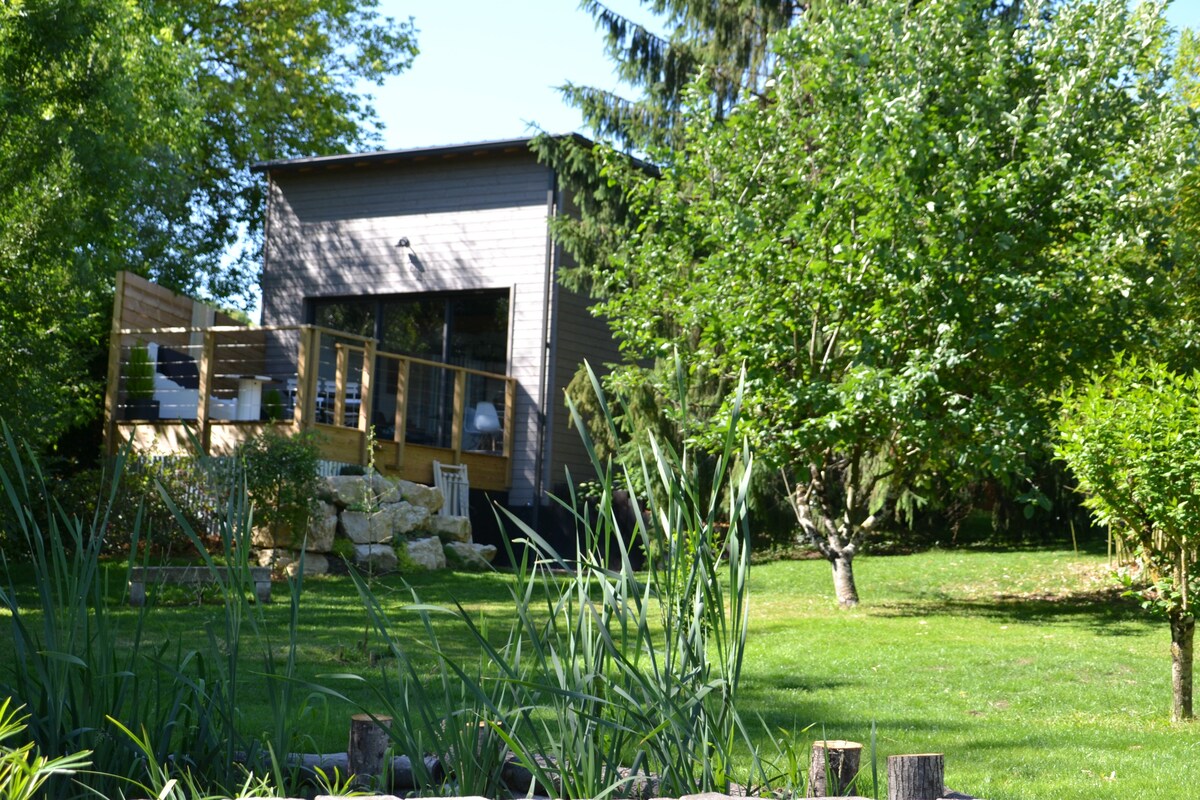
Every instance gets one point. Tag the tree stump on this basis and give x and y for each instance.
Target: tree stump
(833, 767)
(369, 743)
(916, 777)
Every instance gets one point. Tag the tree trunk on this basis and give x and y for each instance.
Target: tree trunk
(369, 743)
(916, 777)
(1183, 628)
(833, 767)
(843, 578)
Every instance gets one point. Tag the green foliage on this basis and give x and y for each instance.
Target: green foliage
(272, 405)
(75, 662)
(281, 479)
(1132, 439)
(129, 130)
(940, 213)
(84, 670)
(139, 374)
(22, 771)
(87, 170)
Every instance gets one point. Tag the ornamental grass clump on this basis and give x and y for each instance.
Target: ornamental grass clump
(85, 673)
(611, 681)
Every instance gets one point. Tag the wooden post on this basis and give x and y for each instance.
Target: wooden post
(833, 767)
(339, 384)
(207, 366)
(309, 379)
(510, 417)
(306, 360)
(369, 743)
(916, 777)
(401, 423)
(113, 390)
(364, 397)
(456, 424)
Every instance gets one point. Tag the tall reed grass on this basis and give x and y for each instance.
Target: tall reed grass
(86, 674)
(611, 681)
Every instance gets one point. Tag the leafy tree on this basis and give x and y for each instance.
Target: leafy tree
(88, 111)
(126, 134)
(1132, 438)
(940, 213)
(271, 80)
(730, 40)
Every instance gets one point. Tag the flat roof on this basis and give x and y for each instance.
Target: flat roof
(520, 145)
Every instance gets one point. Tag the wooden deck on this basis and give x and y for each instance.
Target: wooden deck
(217, 386)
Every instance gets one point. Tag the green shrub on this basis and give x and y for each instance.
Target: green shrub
(281, 480)
(139, 374)
(272, 405)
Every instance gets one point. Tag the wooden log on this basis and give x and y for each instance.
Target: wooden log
(916, 777)
(369, 743)
(833, 767)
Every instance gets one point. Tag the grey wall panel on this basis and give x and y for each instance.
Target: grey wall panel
(578, 336)
(471, 223)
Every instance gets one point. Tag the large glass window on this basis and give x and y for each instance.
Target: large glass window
(466, 329)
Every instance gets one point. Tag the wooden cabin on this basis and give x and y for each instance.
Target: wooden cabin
(409, 293)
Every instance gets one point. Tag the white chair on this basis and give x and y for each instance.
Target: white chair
(482, 426)
(452, 480)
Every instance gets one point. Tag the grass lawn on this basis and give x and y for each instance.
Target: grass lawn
(1032, 677)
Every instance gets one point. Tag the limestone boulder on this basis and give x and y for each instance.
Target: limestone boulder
(375, 557)
(450, 529)
(404, 517)
(287, 561)
(314, 564)
(322, 528)
(263, 536)
(425, 496)
(274, 535)
(385, 489)
(426, 553)
(469, 555)
(346, 491)
(361, 527)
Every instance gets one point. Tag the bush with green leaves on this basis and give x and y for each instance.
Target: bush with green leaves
(281, 480)
(1132, 438)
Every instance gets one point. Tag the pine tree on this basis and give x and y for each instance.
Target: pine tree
(729, 40)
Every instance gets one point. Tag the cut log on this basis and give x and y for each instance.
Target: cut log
(833, 767)
(916, 777)
(369, 744)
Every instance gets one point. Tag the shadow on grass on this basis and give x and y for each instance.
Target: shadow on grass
(1105, 610)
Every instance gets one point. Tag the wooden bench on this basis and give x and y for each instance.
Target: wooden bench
(193, 576)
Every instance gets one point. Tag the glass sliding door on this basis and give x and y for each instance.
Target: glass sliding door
(467, 329)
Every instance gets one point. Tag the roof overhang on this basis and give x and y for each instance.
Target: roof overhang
(389, 157)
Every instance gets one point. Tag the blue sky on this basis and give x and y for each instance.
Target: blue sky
(488, 69)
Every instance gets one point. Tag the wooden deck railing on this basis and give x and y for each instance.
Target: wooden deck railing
(226, 384)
